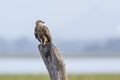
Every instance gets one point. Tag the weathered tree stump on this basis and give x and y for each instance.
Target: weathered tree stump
(53, 61)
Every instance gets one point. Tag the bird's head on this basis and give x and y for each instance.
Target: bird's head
(39, 22)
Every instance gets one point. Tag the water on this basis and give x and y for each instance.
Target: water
(73, 65)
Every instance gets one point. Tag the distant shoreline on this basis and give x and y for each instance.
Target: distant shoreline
(64, 56)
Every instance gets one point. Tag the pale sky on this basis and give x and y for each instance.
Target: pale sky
(66, 19)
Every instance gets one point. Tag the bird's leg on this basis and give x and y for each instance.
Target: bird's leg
(44, 43)
(44, 40)
(41, 41)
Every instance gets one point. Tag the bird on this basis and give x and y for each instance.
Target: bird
(42, 33)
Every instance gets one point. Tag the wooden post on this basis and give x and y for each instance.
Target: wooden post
(53, 61)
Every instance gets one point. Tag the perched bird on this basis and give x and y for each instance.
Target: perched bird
(42, 32)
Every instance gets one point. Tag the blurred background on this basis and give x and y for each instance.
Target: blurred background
(87, 33)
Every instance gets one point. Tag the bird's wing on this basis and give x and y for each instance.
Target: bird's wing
(47, 33)
(35, 33)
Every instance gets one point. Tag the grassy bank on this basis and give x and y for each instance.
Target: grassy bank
(70, 77)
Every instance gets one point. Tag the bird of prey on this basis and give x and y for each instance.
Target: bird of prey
(42, 33)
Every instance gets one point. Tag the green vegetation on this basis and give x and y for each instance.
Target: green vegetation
(70, 77)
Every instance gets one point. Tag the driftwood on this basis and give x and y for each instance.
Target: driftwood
(53, 61)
